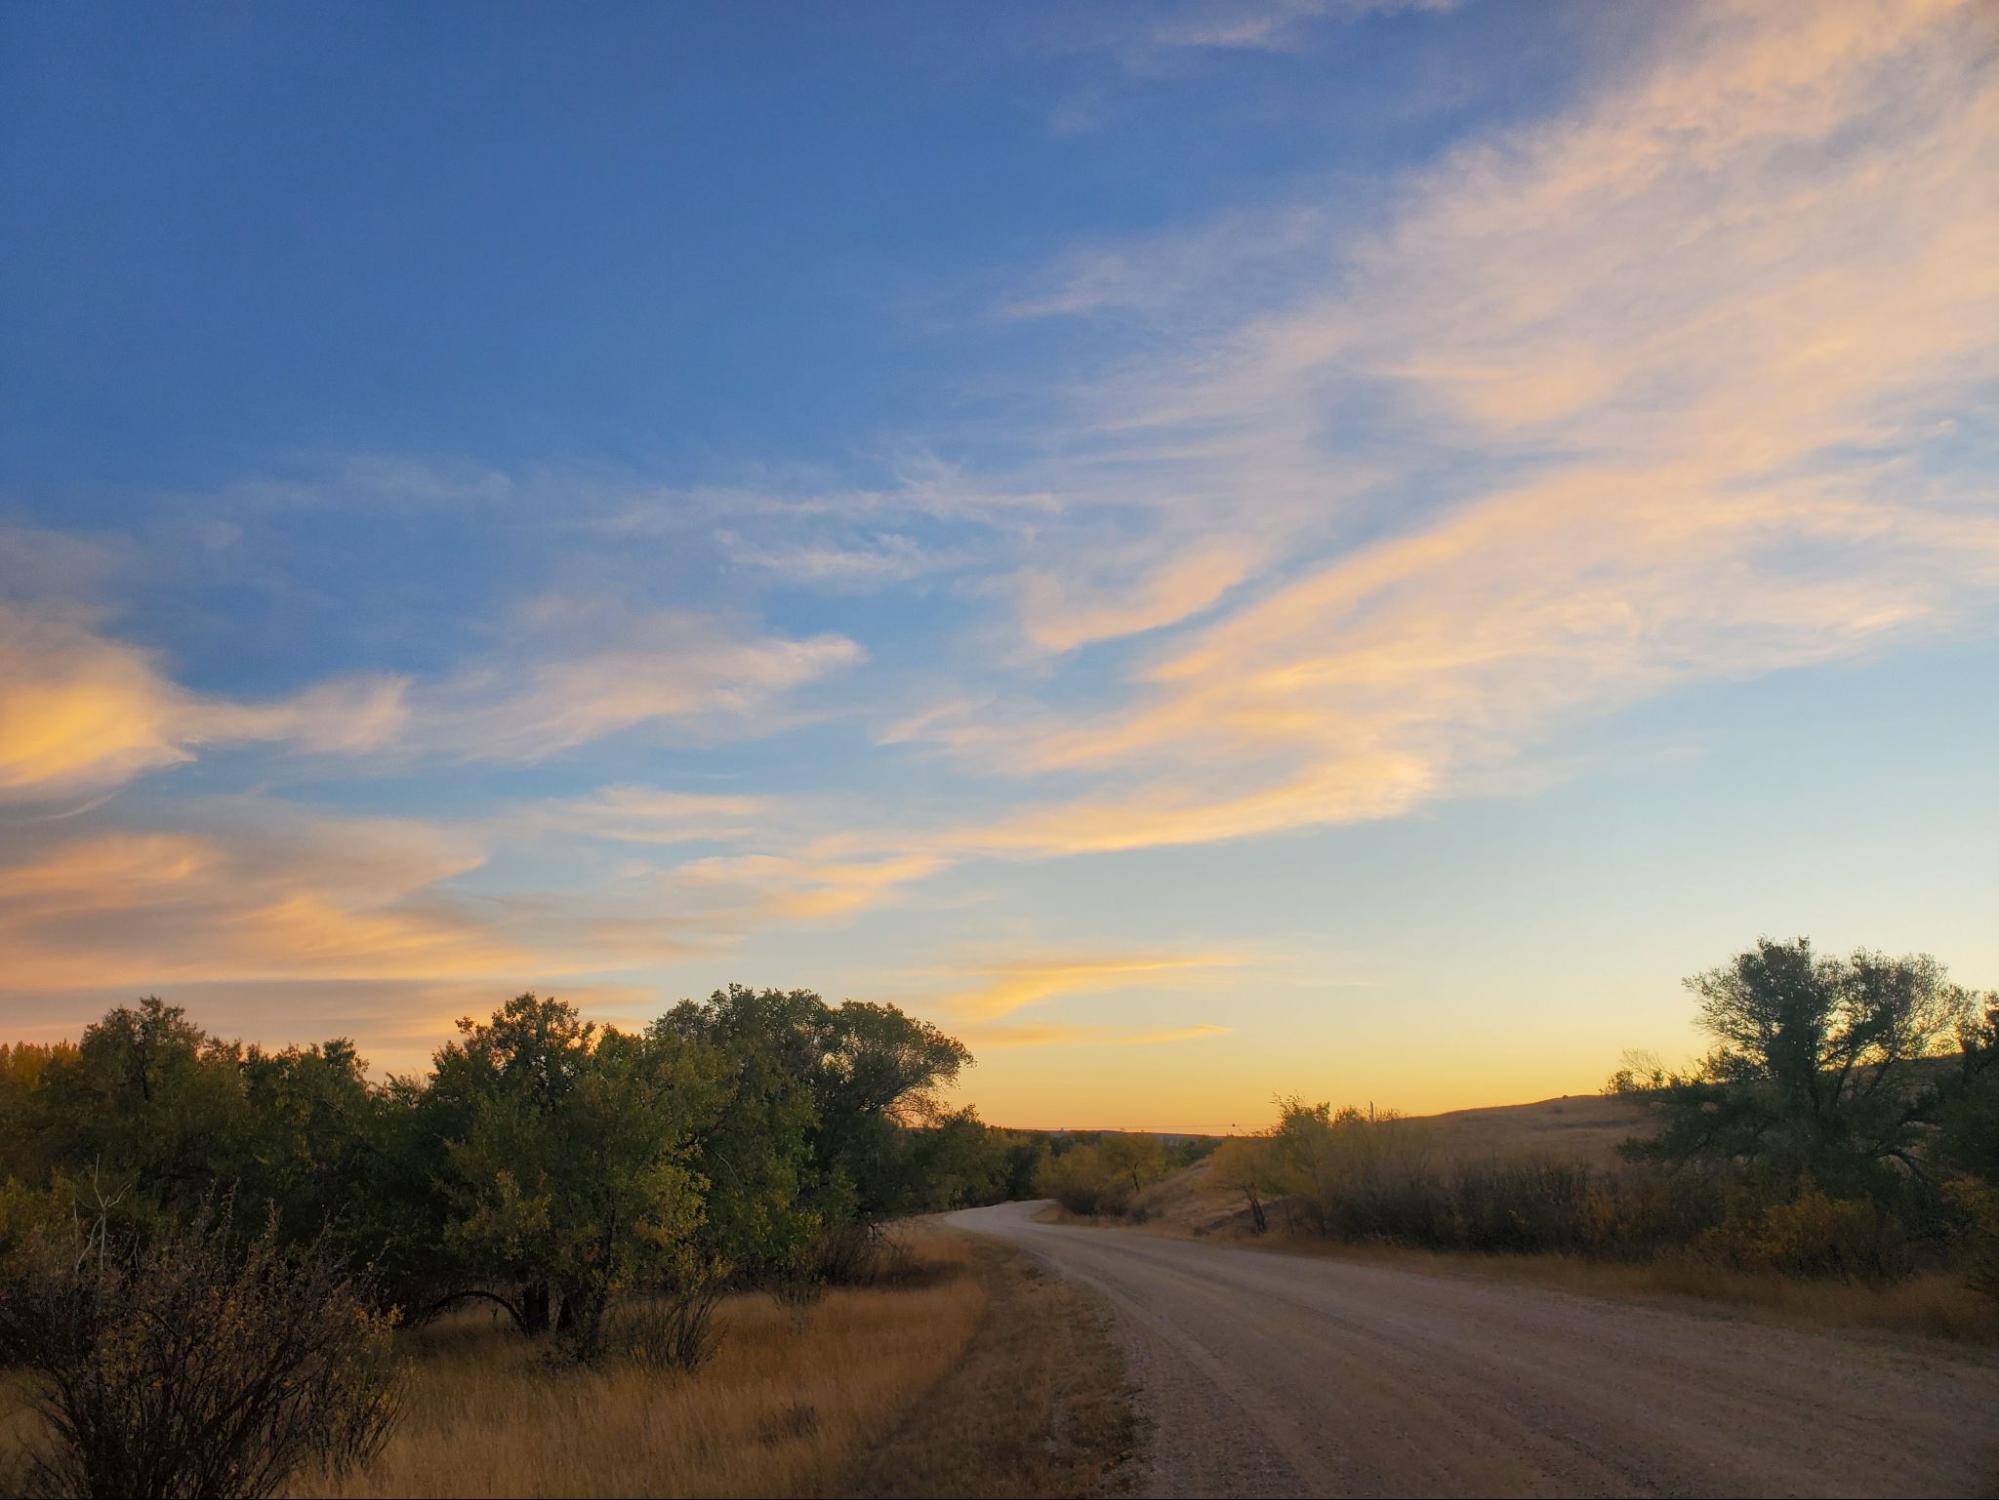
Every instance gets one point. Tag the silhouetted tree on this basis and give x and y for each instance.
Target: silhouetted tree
(1814, 1073)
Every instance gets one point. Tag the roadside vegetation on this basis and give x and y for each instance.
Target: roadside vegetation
(233, 1271)
(1843, 1132)
(1096, 1173)
(791, 1400)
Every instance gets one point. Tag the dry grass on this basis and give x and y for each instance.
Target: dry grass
(970, 1372)
(1576, 1128)
(785, 1408)
(1038, 1406)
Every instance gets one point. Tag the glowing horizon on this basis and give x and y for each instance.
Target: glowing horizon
(1342, 552)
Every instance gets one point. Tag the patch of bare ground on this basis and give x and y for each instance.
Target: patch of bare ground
(1039, 1404)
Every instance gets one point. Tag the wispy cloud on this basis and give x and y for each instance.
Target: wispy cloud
(651, 815)
(1690, 344)
(985, 1035)
(1672, 385)
(759, 887)
(582, 672)
(244, 890)
(1009, 985)
(83, 711)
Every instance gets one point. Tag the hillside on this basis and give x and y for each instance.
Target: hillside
(1579, 1127)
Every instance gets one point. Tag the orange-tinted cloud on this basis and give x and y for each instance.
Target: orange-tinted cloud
(82, 711)
(775, 887)
(1061, 613)
(1009, 985)
(261, 892)
(984, 1035)
(650, 815)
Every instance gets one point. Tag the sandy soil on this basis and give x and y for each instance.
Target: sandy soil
(1274, 1375)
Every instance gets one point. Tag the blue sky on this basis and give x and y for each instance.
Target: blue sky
(1215, 550)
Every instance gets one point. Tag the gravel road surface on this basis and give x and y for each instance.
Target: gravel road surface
(1270, 1374)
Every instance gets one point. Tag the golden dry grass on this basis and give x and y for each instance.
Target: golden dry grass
(786, 1406)
(970, 1373)
(1580, 1128)
(1584, 1128)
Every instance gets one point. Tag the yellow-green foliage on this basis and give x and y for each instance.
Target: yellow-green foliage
(1811, 1235)
(1105, 1175)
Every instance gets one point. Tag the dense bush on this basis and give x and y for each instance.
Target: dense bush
(1102, 1174)
(196, 1362)
(1346, 1176)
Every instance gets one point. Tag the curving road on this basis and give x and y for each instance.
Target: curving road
(1271, 1374)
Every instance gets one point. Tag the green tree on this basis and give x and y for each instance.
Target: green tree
(956, 1161)
(148, 1098)
(769, 1200)
(306, 1148)
(568, 1160)
(1247, 1164)
(1134, 1159)
(1814, 1076)
(1968, 1104)
(879, 1071)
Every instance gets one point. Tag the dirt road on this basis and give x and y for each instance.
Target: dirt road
(1281, 1375)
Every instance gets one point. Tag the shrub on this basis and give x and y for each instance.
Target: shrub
(847, 1254)
(1978, 1203)
(671, 1333)
(199, 1363)
(1815, 1235)
(1085, 1181)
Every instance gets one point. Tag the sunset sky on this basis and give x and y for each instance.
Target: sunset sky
(1214, 551)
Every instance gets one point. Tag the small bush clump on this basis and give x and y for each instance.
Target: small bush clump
(671, 1332)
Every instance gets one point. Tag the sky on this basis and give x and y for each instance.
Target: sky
(1215, 551)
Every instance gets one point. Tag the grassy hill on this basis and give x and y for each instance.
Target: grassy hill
(1577, 1127)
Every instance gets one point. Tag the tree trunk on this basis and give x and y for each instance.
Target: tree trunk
(534, 1308)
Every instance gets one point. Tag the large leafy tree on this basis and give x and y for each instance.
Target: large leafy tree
(150, 1101)
(814, 1132)
(1821, 1066)
(768, 1199)
(879, 1070)
(567, 1158)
